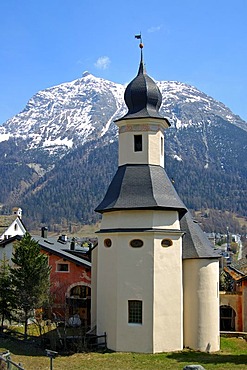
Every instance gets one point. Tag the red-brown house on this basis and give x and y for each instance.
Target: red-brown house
(70, 277)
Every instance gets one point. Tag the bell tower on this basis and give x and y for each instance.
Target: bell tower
(155, 275)
(139, 269)
(141, 141)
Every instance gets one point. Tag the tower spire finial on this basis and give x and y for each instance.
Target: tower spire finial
(139, 37)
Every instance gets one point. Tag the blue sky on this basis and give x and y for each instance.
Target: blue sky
(48, 42)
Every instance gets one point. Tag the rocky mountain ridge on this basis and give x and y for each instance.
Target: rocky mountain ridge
(66, 139)
(72, 113)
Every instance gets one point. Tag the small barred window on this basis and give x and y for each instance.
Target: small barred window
(135, 312)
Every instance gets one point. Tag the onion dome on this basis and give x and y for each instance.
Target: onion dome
(142, 96)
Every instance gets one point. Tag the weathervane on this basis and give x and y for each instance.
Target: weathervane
(139, 37)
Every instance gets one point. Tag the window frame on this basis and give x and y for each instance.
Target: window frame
(135, 312)
(162, 146)
(64, 264)
(138, 141)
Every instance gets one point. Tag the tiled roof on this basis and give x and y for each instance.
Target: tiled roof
(240, 265)
(141, 187)
(5, 242)
(235, 274)
(5, 222)
(52, 245)
(195, 241)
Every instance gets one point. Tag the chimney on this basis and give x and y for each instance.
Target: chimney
(44, 232)
(72, 244)
(64, 238)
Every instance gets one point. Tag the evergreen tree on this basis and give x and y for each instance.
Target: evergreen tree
(30, 275)
(226, 282)
(7, 296)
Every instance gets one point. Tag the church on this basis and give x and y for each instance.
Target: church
(155, 276)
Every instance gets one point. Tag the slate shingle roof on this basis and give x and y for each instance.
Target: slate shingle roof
(5, 242)
(141, 187)
(53, 246)
(240, 265)
(195, 241)
(6, 221)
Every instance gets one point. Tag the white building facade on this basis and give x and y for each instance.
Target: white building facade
(154, 275)
(11, 225)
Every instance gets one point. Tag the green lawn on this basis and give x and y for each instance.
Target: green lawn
(233, 355)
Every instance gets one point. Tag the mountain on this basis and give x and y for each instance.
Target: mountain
(59, 154)
(68, 115)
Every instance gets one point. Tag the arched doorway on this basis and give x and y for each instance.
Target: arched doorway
(79, 303)
(227, 318)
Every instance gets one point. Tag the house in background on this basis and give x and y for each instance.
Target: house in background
(233, 304)
(7, 246)
(70, 278)
(11, 231)
(12, 225)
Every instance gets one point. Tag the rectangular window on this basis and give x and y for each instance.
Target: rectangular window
(135, 312)
(62, 267)
(138, 143)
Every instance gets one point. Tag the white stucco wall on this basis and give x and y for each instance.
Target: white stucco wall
(152, 274)
(201, 304)
(140, 219)
(168, 295)
(107, 292)
(94, 269)
(151, 132)
(124, 273)
(155, 153)
(15, 228)
(126, 149)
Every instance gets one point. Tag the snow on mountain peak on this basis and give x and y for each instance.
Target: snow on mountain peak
(86, 73)
(84, 109)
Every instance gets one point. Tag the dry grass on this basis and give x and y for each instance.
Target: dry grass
(233, 355)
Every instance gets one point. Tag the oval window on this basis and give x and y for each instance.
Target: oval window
(166, 243)
(107, 243)
(136, 243)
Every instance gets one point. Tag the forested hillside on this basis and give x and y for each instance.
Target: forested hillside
(58, 156)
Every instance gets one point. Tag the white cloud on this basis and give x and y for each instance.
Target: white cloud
(102, 62)
(154, 29)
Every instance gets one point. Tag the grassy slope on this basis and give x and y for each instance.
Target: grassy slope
(233, 355)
